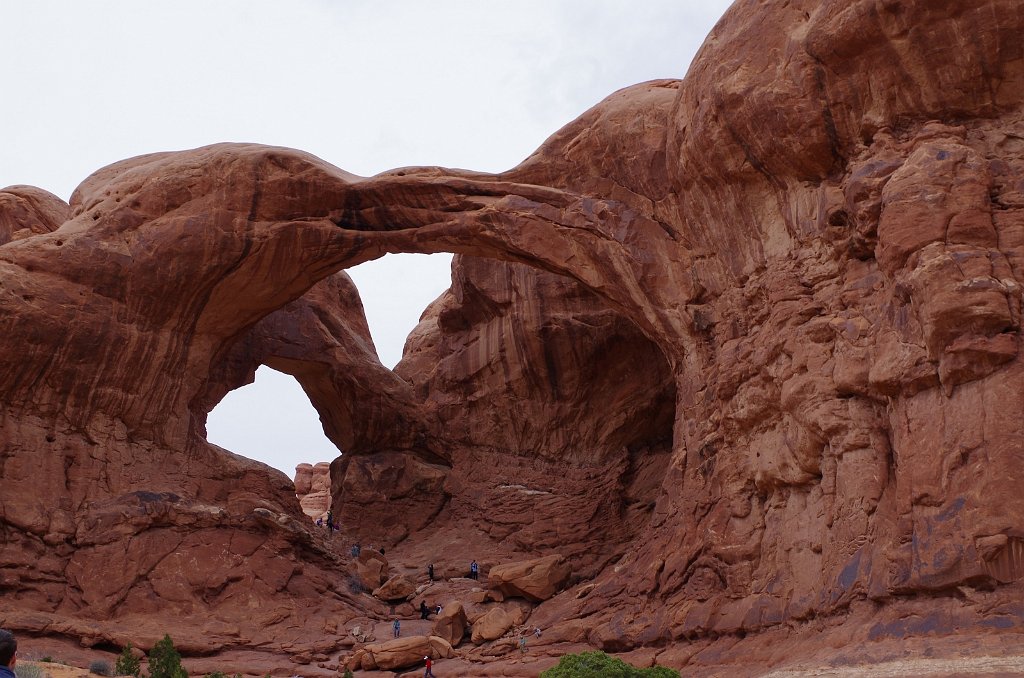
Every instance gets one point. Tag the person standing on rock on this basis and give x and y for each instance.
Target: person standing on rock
(474, 570)
(424, 610)
(356, 550)
(397, 628)
(430, 571)
(8, 654)
(428, 673)
(330, 520)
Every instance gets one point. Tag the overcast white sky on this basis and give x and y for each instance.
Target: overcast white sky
(368, 85)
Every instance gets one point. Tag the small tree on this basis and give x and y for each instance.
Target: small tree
(600, 665)
(164, 660)
(127, 664)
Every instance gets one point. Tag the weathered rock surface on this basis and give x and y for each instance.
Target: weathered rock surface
(536, 580)
(313, 488)
(492, 625)
(399, 653)
(396, 588)
(451, 624)
(372, 568)
(764, 391)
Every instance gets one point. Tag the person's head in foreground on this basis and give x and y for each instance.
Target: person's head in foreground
(8, 649)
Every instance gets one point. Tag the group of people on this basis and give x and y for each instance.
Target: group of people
(329, 522)
(426, 611)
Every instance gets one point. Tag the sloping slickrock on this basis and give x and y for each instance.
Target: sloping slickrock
(536, 579)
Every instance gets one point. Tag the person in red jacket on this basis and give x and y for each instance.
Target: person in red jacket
(428, 672)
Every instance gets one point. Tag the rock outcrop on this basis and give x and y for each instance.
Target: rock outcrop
(536, 580)
(451, 624)
(313, 488)
(396, 588)
(399, 653)
(492, 625)
(744, 347)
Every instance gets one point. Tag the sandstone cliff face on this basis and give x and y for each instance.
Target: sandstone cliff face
(765, 357)
(575, 459)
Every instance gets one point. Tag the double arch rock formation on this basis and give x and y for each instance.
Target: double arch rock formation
(753, 335)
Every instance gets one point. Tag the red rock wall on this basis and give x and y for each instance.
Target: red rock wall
(812, 245)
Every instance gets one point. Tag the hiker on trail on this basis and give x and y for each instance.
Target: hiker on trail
(8, 654)
(330, 520)
(430, 571)
(424, 611)
(437, 610)
(474, 570)
(536, 631)
(428, 672)
(355, 550)
(397, 627)
(522, 644)
(320, 521)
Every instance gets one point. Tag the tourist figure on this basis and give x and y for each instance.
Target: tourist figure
(474, 570)
(437, 610)
(397, 628)
(424, 611)
(430, 571)
(536, 631)
(355, 550)
(522, 644)
(330, 520)
(428, 672)
(8, 654)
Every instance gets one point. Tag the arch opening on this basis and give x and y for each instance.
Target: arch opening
(395, 291)
(273, 421)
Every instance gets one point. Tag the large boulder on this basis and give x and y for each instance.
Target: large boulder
(493, 625)
(451, 623)
(372, 568)
(397, 588)
(399, 653)
(537, 579)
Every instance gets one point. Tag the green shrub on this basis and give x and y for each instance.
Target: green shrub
(99, 667)
(24, 670)
(600, 665)
(347, 674)
(221, 674)
(164, 660)
(47, 659)
(127, 664)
